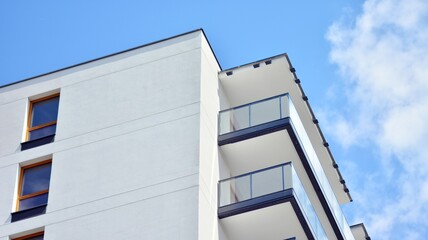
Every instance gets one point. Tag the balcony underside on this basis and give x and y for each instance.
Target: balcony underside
(259, 152)
(285, 221)
(255, 203)
(248, 84)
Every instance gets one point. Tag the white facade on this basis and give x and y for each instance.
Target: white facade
(136, 153)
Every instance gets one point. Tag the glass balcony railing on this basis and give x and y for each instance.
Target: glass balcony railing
(253, 114)
(272, 109)
(319, 173)
(267, 181)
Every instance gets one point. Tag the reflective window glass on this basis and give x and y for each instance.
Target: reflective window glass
(36, 238)
(33, 202)
(36, 179)
(43, 117)
(44, 111)
(34, 185)
(42, 132)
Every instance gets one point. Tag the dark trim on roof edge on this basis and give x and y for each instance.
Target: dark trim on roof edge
(212, 50)
(261, 60)
(116, 53)
(320, 131)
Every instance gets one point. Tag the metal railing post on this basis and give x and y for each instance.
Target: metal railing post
(249, 115)
(251, 186)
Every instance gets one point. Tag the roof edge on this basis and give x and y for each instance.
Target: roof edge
(212, 50)
(334, 163)
(253, 62)
(114, 54)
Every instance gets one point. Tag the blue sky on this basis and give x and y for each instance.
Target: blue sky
(363, 64)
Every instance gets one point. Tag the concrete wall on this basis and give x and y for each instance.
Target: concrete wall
(126, 154)
(12, 121)
(209, 169)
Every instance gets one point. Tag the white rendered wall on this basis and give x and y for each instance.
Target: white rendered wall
(209, 169)
(126, 154)
(12, 122)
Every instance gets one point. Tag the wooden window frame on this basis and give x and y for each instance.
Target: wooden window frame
(30, 236)
(30, 115)
(21, 179)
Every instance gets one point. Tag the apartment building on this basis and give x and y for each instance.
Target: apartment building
(160, 142)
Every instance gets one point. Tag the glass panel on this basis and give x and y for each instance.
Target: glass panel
(266, 111)
(36, 179)
(44, 111)
(235, 190)
(225, 122)
(241, 189)
(306, 205)
(284, 107)
(317, 168)
(266, 182)
(42, 132)
(225, 190)
(33, 202)
(240, 118)
(287, 176)
(254, 114)
(40, 236)
(36, 238)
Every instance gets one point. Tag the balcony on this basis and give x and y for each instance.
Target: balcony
(253, 119)
(269, 191)
(255, 129)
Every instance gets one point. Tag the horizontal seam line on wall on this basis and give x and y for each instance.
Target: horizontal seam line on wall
(115, 125)
(107, 209)
(95, 77)
(100, 140)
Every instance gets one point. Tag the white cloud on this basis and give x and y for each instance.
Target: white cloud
(383, 59)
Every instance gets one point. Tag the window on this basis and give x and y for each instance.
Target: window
(34, 185)
(42, 117)
(34, 236)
